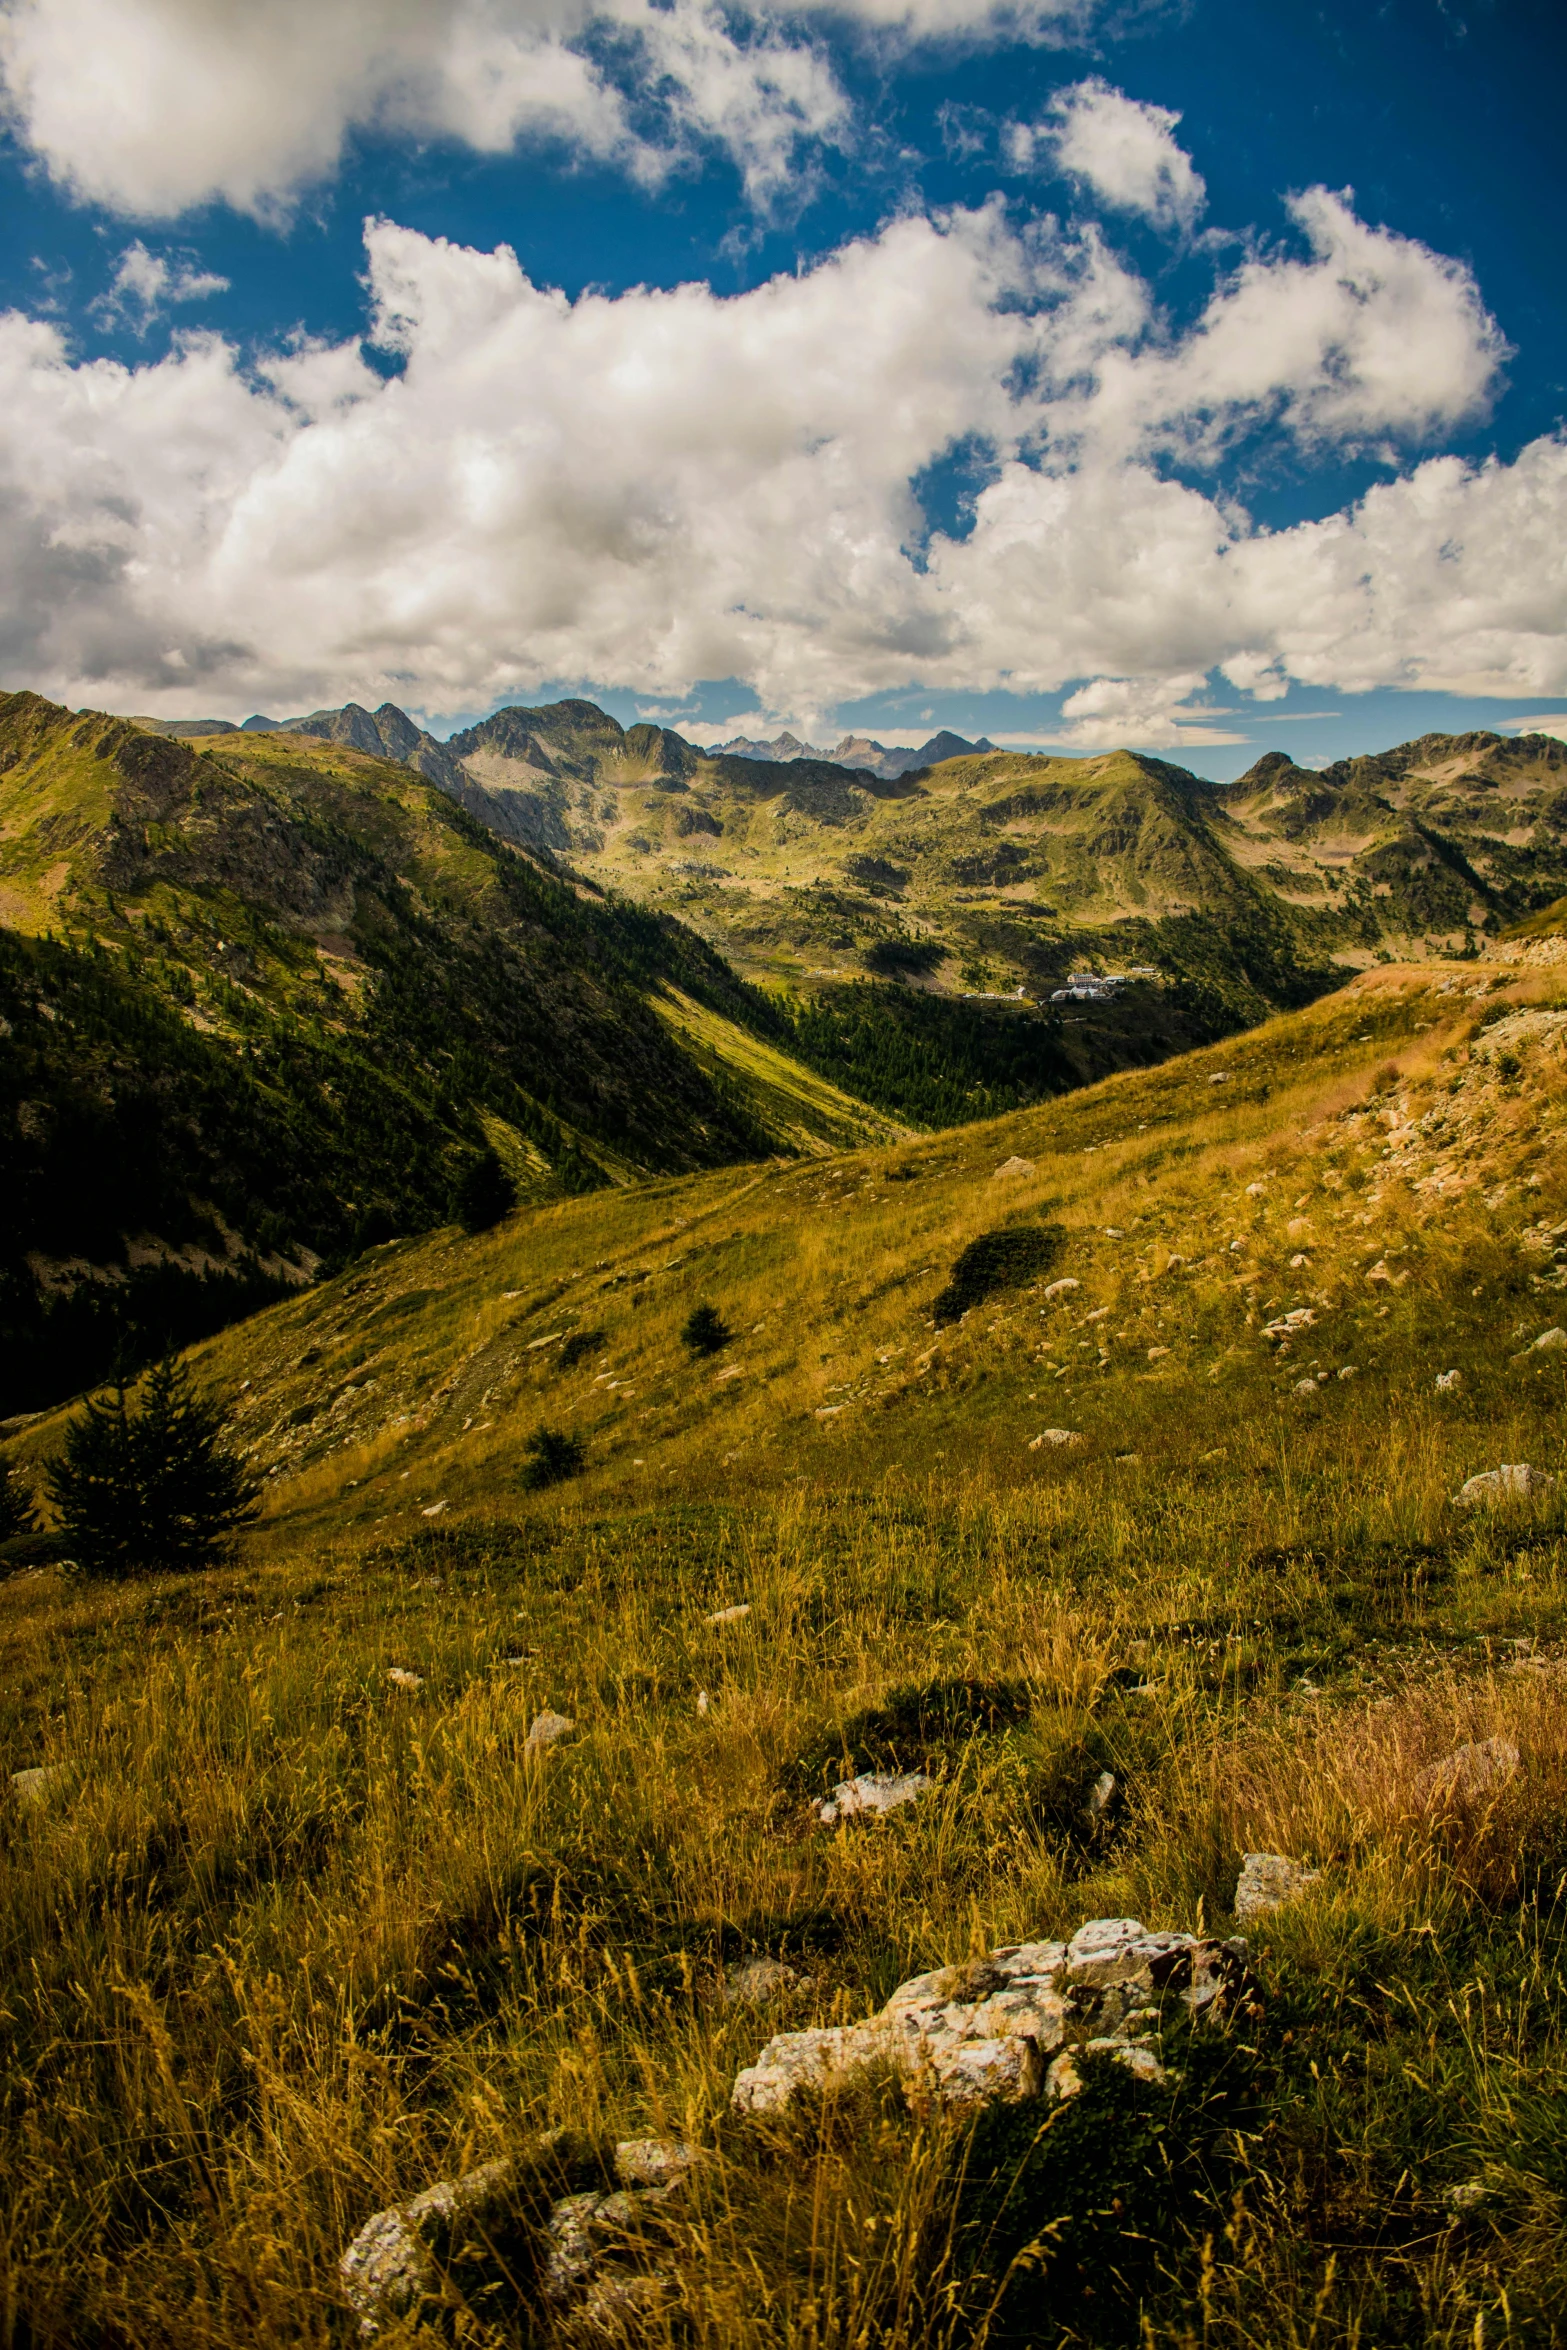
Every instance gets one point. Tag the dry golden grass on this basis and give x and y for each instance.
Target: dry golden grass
(285, 1941)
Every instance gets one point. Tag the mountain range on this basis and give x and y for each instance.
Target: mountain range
(858, 750)
(267, 988)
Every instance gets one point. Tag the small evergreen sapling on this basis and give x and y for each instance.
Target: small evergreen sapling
(16, 1508)
(553, 1456)
(151, 1486)
(706, 1333)
(483, 1193)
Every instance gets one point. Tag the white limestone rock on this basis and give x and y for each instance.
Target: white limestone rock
(1470, 1773)
(1513, 1481)
(548, 1729)
(653, 2162)
(388, 2269)
(34, 1786)
(873, 1792)
(756, 1982)
(813, 2060)
(1267, 1881)
(1004, 2027)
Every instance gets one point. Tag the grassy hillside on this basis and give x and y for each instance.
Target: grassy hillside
(290, 1939)
(261, 997)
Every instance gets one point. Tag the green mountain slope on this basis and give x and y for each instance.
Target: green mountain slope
(261, 996)
(1415, 847)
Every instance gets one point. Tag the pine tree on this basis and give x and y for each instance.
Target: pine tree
(150, 1487)
(483, 1193)
(706, 1333)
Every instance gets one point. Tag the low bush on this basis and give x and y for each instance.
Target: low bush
(996, 1261)
(553, 1455)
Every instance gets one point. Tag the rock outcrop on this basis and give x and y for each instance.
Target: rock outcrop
(993, 2029)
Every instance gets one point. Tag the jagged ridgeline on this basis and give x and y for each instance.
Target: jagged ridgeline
(973, 868)
(262, 999)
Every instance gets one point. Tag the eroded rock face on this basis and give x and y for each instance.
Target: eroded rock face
(995, 2028)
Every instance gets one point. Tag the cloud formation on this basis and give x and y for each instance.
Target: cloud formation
(1124, 151)
(660, 487)
(150, 107)
(144, 283)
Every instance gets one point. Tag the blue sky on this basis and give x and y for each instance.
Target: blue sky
(1021, 383)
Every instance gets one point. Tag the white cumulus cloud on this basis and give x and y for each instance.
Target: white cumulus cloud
(150, 107)
(655, 488)
(1124, 150)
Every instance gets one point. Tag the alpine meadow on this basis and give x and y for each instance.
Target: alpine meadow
(783, 1176)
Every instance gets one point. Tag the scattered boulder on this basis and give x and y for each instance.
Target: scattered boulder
(653, 2162)
(1061, 1288)
(1449, 1382)
(1470, 1772)
(549, 1729)
(1267, 1881)
(1513, 1481)
(1549, 1342)
(389, 2268)
(755, 1982)
(872, 1791)
(1305, 1387)
(1013, 1166)
(994, 2029)
(1100, 1797)
(1058, 1438)
(729, 1615)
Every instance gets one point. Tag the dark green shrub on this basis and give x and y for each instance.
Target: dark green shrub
(483, 1193)
(553, 1456)
(999, 1260)
(578, 1345)
(706, 1332)
(149, 1487)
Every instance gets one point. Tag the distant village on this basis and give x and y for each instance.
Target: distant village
(1082, 987)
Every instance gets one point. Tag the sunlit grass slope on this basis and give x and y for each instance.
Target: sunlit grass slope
(285, 1940)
